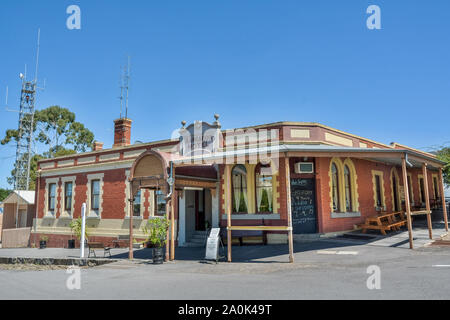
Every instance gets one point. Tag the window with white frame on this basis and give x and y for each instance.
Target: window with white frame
(94, 194)
(52, 198)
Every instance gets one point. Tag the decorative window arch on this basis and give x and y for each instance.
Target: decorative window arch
(378, 190)
(353, 186)
(239, 189)
(335, 173)
(343, 186)
(395, 190)
(264, 188)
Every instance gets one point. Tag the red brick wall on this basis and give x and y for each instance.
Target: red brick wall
(113, 197)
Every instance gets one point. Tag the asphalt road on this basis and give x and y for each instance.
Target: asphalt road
(322, 270)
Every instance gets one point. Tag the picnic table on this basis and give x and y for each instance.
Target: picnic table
(385, 222)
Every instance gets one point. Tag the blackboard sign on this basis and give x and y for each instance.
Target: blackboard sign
(212, 245)
(303, 205)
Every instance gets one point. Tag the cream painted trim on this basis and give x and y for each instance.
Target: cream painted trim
(66, 163)
(109, 156)
(48, 213)
(275, 193)
(134, 153)
(151, 201)
(300, 133)
(420, 176)
(84, 160)
(435, 175)
(90, 177)
(399, 201)
(354, 181)
(374, 186)
(251, 192)
(338, 139)
(65, 213)
(46, 165)
(340, 168)
(341, 187)
(127, 194)
(411, 188)
(89, 168)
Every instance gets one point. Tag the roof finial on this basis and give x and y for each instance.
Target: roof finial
(216, 116)
(183, 123)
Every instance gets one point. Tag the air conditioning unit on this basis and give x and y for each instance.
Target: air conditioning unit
(304, 167)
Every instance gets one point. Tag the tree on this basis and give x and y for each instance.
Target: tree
(444, 155)
(56, 129)
(4, 193)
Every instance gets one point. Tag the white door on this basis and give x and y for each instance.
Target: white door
(22, 219)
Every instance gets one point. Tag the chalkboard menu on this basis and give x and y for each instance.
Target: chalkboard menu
(303, 204)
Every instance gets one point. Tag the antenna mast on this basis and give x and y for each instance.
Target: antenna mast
(25, 129)
(124, 85)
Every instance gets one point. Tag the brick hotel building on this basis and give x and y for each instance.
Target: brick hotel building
(332, 180)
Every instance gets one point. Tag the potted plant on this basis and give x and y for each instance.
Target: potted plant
(156, 231)
(75, 226)
(43, 242)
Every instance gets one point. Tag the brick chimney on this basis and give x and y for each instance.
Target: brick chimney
(122, 132)
(97, 146)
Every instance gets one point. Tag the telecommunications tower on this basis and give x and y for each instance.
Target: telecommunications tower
(24, 152)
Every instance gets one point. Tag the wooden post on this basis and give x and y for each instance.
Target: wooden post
(444, 207)
(131, 201)
(167, 256)
(172, 212)
(407, 204)
(228, 207)
(289, 209)
(427, 200)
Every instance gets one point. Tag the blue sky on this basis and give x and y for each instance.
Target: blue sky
(251, 61)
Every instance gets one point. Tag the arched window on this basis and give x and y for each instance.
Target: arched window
(239, 187)
(264, 191)
(335, 187)
(348, 189)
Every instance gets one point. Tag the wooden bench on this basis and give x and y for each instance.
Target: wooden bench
(385, 222)
(244, 237)
(98, 245)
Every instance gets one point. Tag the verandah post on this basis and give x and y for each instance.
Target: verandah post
(130, 245)
(289, 209)
(444, 208)
(228, 208)
(427, 199)
(407, 204)
(167, 257)
(172, 210)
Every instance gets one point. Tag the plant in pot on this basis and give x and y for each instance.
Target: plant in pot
(156, 231)
(75, 226)
(43, 242)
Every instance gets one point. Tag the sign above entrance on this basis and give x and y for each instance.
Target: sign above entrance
(200, 138)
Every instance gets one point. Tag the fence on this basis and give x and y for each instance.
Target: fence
(16, 238)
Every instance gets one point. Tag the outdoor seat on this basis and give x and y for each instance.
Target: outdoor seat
(385, 222)
(98, 245)
(245, 237)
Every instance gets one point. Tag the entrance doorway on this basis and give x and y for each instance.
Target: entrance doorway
(200, 210)
(303, 204)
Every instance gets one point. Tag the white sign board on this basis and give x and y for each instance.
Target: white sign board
(212, 245)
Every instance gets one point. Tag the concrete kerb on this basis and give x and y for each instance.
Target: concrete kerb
(56, 261)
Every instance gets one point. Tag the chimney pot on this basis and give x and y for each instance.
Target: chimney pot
(97, 145)
(122, 132)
